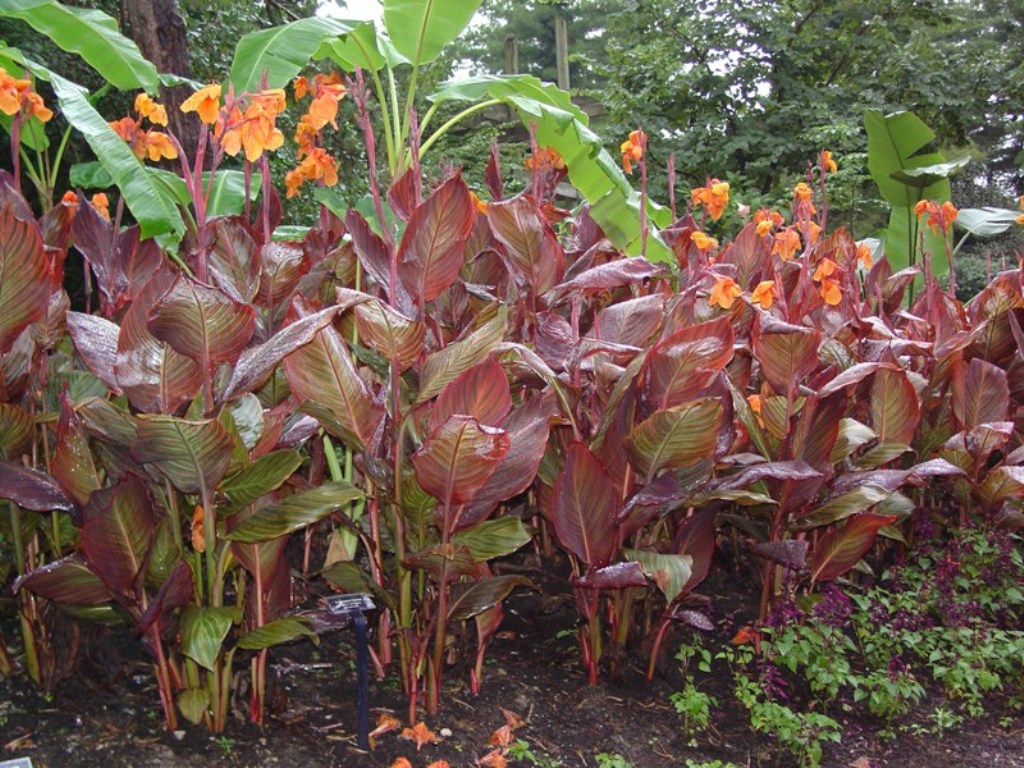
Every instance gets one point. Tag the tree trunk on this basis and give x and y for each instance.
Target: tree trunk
(158, 28)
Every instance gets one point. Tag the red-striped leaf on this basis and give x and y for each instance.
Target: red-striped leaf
(68, 581)
(95, 341)
(24, 277)
(324, 380)
(233, 260)
(585, 508)
(679, 367)
(812, 442)
(842, 547)
(430, 254)
(696, 538)
(788, 354)
(481, 392)
(675, 437)
(443, 366)
(895, 410)
(118, 526)
(194, 455)
(612, 274)
(389, 332)
(282, 265)
(631, 322)
(16, 428)
(72, 465)
(458, 458)
(31, 489)
(202, 323)
(618, 576)
(153, 376)
(981, 394)
(531, 249)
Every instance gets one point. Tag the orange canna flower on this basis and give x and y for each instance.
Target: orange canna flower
(154, 112)
(826, 267)
(37, 108)
(545, 159)
(746, 635)
(324, 110)
(253, 131)
(724, 293)
(478, 204)
(70, 198)
(787, 243)
(940, 218)
(318, 165)
(205, 102)
(16, 95)
(703, 242)
(714, 197)
(864, 255)
(100, 202)
(803, 206)
(763, 294)
(158, 146)
(827, 161)
(199, 529)
(802, 192)
(764, 228)
(125, 128)
(633, 149)
(830, 292)
(811, 231)
(1019, 219)
(300, 87)
(421, 735)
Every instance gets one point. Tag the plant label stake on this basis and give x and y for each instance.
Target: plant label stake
(354, 606)
(19, 762)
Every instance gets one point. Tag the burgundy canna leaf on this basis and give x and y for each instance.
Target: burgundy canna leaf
(586, 507)
(791, 553)
(606, 276)
(397, 338)
(618, 576)
(457, 459)
(16, 430)
(532, 250)
(981, 394)
(232, 261)
(788, 354)
(696, 538)
(32, 489)
(175, 592)
(675, 437)
(677, 368)
(404, 194)
(138, 261)
(843, 546)
(492, 174)
(153, 376)
(202, 323)
(430, 254)
(68, 581)
(895, 410)
(95, 341)
(72, 464)
(24, 277)
(481, 392)
(256, 363)
(118, 524)
(282, 266)
(194, 455)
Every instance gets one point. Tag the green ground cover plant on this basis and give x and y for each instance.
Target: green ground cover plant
(398, 395)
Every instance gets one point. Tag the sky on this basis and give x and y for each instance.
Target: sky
(356, 9)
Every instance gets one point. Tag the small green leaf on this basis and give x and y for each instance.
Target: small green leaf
(494, 538)
(295, 512)
(203, 631)
(264, 475)
(274, 633)
(193, 703)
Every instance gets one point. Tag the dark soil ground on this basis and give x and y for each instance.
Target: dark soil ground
(109, 717)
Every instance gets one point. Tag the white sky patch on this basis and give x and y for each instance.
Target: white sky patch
(363, 10)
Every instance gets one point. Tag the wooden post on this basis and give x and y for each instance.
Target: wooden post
(511, 55)
(562, 51)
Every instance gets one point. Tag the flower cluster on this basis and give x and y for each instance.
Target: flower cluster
(633, 149)
(544, 159)
(151, 144)
(940, 217)
(17, 96)
(316, 163)
(714, 197)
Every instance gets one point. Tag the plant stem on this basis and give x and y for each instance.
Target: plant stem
(453, 122)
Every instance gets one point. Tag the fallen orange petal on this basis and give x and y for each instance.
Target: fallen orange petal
(385, 723)
(401, 762)
(495, 759)
(745, 635)
(501, 737)
(439, 764)
(511, 718)
(421, 735)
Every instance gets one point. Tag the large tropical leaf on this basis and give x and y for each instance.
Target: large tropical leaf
(585, 507)
(359, 48)
(194, 455)
(276, 632)
(420, 29)
(95, 341)
(787, 353)
(397, 338)
(91, 34)
(675, 437)
(480, 87)
(203, 631)
(677, 368)
(16, 430)
(895, 144)
(457, 459)
(532, 251)
(295, 512)
(150, 203)
(68, 581)
(632, 322)
(481, 392)
(232, 261)
(202, 323)
(324, 380)
(443, 366)
(264, 475)
(32, 489)
(24, 277)
(118, 525)
(470, 598)
(431, 251)
(981, 394)
(151, 373)
(848, 504)
(842, 547)
(895, 410)
(494, 538)
(73, 465)
(281, 52)
(669, 572)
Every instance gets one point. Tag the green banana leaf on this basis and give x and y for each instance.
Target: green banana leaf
(420, 29)
(91, 34)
